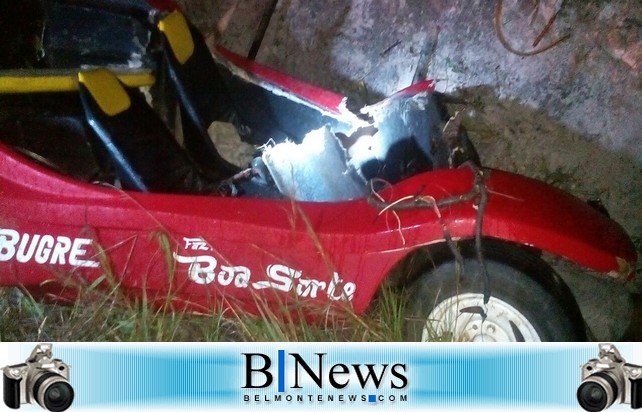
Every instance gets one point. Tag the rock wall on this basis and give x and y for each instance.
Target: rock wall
(367, 49)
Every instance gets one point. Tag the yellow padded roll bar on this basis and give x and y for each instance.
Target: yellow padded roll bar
(104, 87)
(35, 82)
(175, 28)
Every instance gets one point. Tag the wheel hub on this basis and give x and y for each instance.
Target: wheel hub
(465, 318)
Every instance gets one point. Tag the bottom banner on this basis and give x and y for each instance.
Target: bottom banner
(134, 376)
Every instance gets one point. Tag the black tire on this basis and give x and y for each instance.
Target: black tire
(518, 278)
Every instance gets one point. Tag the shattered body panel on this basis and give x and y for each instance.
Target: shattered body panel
(229, 249)
(316, 170)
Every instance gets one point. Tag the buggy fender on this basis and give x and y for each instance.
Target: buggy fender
(529, 212)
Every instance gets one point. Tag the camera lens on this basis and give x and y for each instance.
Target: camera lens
(597, 392)
(592, 396)
(58, 396)
(53, 392)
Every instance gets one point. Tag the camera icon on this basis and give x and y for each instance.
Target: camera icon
(608, 380)
(41, 379)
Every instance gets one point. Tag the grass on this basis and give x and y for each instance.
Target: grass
(104, 311)
(107, 315)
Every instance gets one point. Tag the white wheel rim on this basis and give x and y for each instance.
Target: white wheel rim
(452, 320)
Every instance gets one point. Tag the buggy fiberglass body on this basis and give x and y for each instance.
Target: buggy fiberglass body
(334, 202)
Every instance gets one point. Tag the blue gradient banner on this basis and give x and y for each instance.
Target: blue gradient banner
(322, 376)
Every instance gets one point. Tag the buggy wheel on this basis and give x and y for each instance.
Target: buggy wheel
(460, 317)
(528, 303)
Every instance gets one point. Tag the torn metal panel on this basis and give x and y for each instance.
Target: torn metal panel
(315, 170)
(395, 138)
(407, 140)
(265, 110)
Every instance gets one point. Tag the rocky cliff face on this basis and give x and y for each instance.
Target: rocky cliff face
(590, 81)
